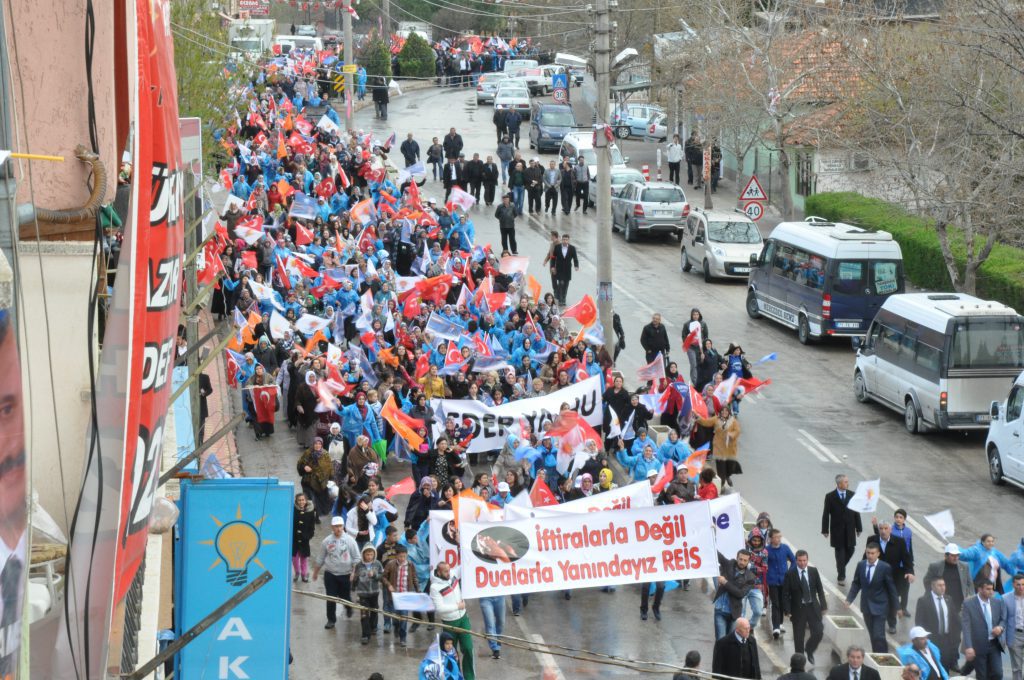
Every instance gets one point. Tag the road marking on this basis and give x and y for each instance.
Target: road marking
(821, 447)
(814, 452)
(545, 228)
(547, 661)
(919, 529)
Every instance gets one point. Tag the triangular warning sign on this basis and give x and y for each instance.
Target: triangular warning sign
(753, 191)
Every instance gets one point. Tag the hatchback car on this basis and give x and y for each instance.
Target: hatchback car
(488, 85)
(657, 127)
(649, 208)
(630, 120)
(720, 243)
(511, 96)
(620, 177)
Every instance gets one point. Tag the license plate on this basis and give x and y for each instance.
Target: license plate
(664, 213)
(847, 324)
(741, 270)
(984, 418)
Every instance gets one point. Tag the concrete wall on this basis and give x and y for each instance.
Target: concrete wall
(839, 171)
(47, 54)
(57, 418)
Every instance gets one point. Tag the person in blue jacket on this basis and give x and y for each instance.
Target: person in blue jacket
(464, 230)
(639, 465)
(985, 561)
(674, 449)
(642, 441)
(1016, 564)
(357, 419)
(923, 652)
(780, 559)
(442, 664)
(547, 460)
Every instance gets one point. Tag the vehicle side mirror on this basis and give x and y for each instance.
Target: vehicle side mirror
(698, 239)
(994, 410)
(625, 159)
(754, 259)
(856, 341)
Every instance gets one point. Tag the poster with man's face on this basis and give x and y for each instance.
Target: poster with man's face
(13, 492)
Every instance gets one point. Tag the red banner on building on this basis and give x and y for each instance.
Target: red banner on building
(157, 230)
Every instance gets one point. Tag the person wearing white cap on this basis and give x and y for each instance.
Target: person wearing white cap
(923, 652)
(504, 495)
(956, 574)
(337, 556)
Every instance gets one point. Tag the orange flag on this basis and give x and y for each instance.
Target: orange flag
(315, 341)
(282, 152)
(533, 286)
(404, 425)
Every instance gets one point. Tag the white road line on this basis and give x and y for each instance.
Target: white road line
(547, 661)
(814, 451)
(919, 529)
(821, 447)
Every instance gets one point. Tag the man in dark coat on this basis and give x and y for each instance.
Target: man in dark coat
(854, 668)
(513, 120)
(489, 176)
(841, 525)
(935, 612)
(410, 150)
(803, 599)
(797, 669)
(452, 144)
(499, 121)
(654, 339)
(896, 555)
(381, 97)
(563, 262)
(506, 216)
(474, 171)
(454, 174)
(735, 654)
(879, 600)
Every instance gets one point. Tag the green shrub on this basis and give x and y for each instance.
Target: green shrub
(377, 60)
(1001, 276)
(416, 59)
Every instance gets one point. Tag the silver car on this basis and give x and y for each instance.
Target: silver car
(649, 208)
(510, 96)
(488, 85)
(620, 177)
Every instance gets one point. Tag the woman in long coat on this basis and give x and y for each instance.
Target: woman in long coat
(725, 443)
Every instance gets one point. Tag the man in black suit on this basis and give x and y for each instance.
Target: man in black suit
(956, 574)
(983, 622)
(896, 555)
(475, 176)
(452, 144)
(879, 599)
(854, 668)
(735, 653)
(489, 175)
(803, 598)
(454, 174)
(935, 612)
(563, 262)
(797, 669)
(840, 525)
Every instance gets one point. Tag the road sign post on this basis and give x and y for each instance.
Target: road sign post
(754, 210)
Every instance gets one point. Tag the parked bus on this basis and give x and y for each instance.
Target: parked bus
(940, 359)
(824, 279)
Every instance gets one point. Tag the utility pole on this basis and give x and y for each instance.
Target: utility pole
(386, 13)
(346, 22)
(602, 71)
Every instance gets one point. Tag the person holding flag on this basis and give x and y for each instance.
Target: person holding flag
(724, 443)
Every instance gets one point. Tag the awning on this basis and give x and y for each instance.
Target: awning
(563, 59)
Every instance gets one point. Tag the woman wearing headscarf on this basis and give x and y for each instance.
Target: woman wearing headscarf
(605, 480)
(315, 470)
(725, 443)
(262, 419)
(305, 408)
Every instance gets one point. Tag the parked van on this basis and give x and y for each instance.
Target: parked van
(824, 279)
(1004, 447)
(516, 64)
(289, 42)
(940, 359)
(549, 124)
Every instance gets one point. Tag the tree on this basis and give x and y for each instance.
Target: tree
(205, 74)
(936, 116)
(416, 59)
(377, 60)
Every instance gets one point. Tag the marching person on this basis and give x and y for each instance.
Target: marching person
(506, 216)
(923, 652)
(935, 612)
(735, 655)
(841, 525)
(873, 580)
(563, 262)
(854, 668)
(983, 621)
(896, 555)
(337, 556)
(446, 594)
(803, 599)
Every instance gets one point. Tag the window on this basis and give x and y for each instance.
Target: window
(733, 232)
(667, 195)
(784, 262)
(805, 173)
(890, 341)
(768, 254)
(874, 334)
(1014, 403)
(927, 358)
(871, 277)
(988, 343)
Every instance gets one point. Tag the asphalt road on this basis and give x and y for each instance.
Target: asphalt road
(800, 432)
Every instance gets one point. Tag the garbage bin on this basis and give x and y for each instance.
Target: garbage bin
(659, 433)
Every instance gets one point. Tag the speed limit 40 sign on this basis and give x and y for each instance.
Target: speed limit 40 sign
(754, 210)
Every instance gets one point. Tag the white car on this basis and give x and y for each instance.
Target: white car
(512, 96)
(720, 243)
(657, 127)
(620, 177)
(1004, 445)
(487, 86)
(582, 144)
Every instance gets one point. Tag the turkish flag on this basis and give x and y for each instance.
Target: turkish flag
(694, 336)
(212, 264)
(249, 259)
(412, 308)
(666, 475)
(540, 495)
(404, 487)
(584, 311)
(325, 189)
(303, 236)
(422, 366)
(264, 401)
(435, 289)
(452, 355)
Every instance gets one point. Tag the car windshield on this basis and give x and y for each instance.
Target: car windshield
(876, 277)
(557, 118)
(513, 93)
(663, 195)
(988, 343)
(492, 77)
(590, 156)
(620, 178)
(733, 232)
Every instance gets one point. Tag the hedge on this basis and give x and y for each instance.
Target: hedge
(416, 59)
(1001, 276)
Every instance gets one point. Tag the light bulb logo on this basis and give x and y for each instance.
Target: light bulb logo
(237, 544)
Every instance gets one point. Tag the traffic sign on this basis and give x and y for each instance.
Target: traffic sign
(339, 83)
(559, 81)
(753, 191)
(754, 210)
(560, 95)
(350, 68)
